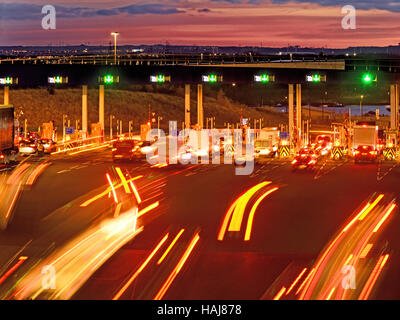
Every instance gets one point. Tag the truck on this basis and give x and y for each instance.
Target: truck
(267, 142)
(365, 143)
(365, 135)
(7, 132)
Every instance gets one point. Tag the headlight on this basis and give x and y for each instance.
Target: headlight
(186, 156)
(146, 149)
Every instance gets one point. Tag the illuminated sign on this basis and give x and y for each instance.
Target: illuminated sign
(57, 80)
(109, 79)
(8, 81)
(160, 78)
(264, 78)
(211, 78)
(316, 78)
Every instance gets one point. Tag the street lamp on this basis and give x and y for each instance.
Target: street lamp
(158, 121)
(115, 34)
(361, 98)
(111, 124)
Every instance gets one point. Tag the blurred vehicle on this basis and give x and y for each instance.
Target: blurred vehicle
(128, 149)
(365, 154)
(267, 142)
(365, 140)
(146, 147)
(46, 146)
(306, 159)
(184, 153)
(323, 145)
(6, 132)
(28, 147)
(34, 136)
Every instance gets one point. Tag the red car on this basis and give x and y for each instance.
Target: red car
(128, 149)
(365, 154)
(306, 159)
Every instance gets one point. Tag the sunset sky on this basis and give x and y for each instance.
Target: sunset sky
(273, 23)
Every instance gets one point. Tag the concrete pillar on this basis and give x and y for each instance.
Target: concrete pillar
(200, 117)
(298, 114)
(394, 106)
(84, 110)
(6, 95)
(101, 107)
(187, 106)
(291, 112)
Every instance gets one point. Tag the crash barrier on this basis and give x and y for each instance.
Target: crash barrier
(337, 153)
(389, 153)
(284, 151)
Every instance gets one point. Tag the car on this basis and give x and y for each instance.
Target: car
(305, 159)
(365, 153)
(46, 146)
(28, 147)
(128, 149)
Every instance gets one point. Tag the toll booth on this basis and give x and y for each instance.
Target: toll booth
(144, 129)
(47, 131)
(339, 148)
(96, 131)
(390, 150)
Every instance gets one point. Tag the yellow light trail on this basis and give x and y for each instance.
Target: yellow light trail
(148, 208)
(305, 280)
(34, 175)
(170, 246)
(140, 269)
(91, 200)
(123, 180)
(384, 217)
(330, 293)
(371, 207)
(296, 280)
(10, 208)
(279, 294)
(222, 231)
(178, 268)
(252, 212)
(112, 188)
(356, 217)
(373, 278)
(90, 149)
(136, 193)
(238, 213)
(366, 250)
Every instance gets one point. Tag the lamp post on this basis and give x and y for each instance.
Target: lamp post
(111, 124)
(361, 99)
(158, 121)
(115, 34)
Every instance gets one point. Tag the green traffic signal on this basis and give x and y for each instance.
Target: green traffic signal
(108, 79)
(316, 78)
(367, 78)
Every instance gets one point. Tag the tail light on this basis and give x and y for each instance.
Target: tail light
(294, 161)
(1, 156)
(372, 152)
(32, 145)
(356, 152)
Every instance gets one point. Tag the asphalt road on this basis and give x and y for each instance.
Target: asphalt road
(291, 226)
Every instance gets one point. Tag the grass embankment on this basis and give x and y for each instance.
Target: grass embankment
(40, 105)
